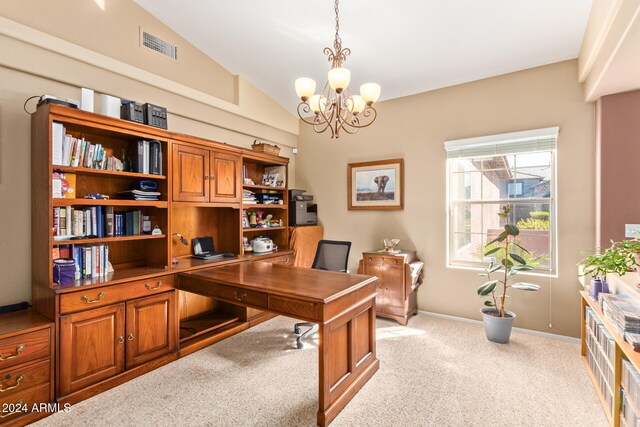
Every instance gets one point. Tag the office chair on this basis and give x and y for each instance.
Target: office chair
(331, 255)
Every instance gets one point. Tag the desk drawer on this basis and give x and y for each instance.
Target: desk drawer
(241, 296)
(22, 348)
(99, 297)
(21, 402)
(303, 309)
(284, 259)
(18, 378)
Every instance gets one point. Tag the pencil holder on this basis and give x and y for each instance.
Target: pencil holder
(64, 270)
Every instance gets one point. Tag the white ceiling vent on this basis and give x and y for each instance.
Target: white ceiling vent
(158, 45)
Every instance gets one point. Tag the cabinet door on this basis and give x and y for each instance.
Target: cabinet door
(151, 328)
(374, 266)
(393, 279)
(225, 177)
(190, 174)
(91, 347)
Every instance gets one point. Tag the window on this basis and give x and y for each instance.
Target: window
(487, 172)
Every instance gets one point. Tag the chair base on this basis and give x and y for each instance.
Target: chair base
(313, 328)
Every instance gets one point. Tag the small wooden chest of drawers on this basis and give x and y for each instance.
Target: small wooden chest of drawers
(26, 366)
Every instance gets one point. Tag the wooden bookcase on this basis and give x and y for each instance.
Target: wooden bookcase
(622, 350)
(201, 195)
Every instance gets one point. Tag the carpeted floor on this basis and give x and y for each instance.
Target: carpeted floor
(434, 372)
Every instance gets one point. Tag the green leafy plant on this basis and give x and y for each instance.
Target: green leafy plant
(510, 264)
(539, 215)
(619, 258)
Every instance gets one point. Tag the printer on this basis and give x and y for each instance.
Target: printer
(302, 210)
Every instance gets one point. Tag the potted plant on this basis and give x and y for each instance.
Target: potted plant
(619, 259)
(497, 320)
(631, 246)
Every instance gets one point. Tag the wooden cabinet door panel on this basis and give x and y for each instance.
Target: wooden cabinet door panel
(225, 177)
(150, 328)
(91, 347)
(393, 282)
(374, 266)
(190, 174)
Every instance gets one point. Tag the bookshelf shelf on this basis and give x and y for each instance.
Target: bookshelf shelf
(260, 206)
(109, 239)
(263, 187)
(110, 202)
(108, 173)
(261, 229)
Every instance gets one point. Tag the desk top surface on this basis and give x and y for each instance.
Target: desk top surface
(277, 279)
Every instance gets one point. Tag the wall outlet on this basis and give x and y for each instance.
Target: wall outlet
(632, 230)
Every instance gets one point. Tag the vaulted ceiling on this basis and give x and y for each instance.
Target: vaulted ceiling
(407, 46)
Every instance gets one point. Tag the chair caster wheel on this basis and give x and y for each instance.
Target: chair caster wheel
(299, 345)
(296, 331)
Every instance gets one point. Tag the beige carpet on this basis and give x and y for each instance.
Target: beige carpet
(434, 372)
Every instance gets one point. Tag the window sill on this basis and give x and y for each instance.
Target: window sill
(551, 275)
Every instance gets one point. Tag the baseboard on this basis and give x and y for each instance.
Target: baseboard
(565, 338)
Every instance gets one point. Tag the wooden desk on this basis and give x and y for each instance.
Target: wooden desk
(341, 304)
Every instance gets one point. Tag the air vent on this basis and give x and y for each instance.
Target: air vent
(159, 45)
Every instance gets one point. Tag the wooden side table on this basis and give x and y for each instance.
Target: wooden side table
(397, 287)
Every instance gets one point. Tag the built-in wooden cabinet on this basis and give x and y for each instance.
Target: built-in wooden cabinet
(117, 325)
(92, 347)
(397, 287)
(203, 175)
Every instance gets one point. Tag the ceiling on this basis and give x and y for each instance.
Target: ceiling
(407, 46)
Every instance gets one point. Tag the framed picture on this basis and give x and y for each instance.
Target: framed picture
(377, 185)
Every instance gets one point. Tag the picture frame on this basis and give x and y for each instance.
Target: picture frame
(376, 185)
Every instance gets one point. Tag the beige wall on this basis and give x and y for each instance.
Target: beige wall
(415, 129)
(35, 63)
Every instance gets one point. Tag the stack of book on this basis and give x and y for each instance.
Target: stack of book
(97, 222)
(600, 355)
(90, 261)
(630, 394)
(248, 197)
(78, 152)
(623, 312)
(140, 195)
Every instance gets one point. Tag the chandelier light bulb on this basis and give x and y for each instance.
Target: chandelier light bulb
(305, 87)
(357, 104)
(370, 92)
(339, 78)
(316, 104)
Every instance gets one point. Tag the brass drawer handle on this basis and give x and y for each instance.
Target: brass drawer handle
(16, 354)
(239, 296)
(86, 299)
(19, 404)
(130, 337)
(120, 340)
(206, 177)
(18, 381)
(286, 260)
(148, 286)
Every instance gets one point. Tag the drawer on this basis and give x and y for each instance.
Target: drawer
(241, 296)
(23, 348)
(284, 259)
(99, 297)
(21, 402)
(295, 308)
(378, 260)
(18, 378)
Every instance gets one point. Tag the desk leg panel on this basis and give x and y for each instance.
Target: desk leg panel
(347, 357)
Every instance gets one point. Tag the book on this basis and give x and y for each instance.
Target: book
(108, 223)
(56, 186)
(57, 141)
(68, 185)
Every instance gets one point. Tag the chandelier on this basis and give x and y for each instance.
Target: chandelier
(335, 108)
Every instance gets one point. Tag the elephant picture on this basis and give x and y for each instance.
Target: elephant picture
(375, 185)
(381, 181)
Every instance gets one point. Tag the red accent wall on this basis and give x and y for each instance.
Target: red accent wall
(619, 165)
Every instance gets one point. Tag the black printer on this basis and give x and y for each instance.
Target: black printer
(302, 210)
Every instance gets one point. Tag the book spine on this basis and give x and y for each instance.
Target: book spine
(56, 221)
(69, 216)
(57, 141)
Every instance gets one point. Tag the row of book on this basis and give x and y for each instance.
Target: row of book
(630, 393)
(600, 358)
(249, 197)
(90, 261)
(623, 312)
(78, 152)
(97, 221)
(68, 150)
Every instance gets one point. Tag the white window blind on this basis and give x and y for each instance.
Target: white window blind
(502, 144)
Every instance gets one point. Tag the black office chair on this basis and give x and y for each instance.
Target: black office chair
(331, 255)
